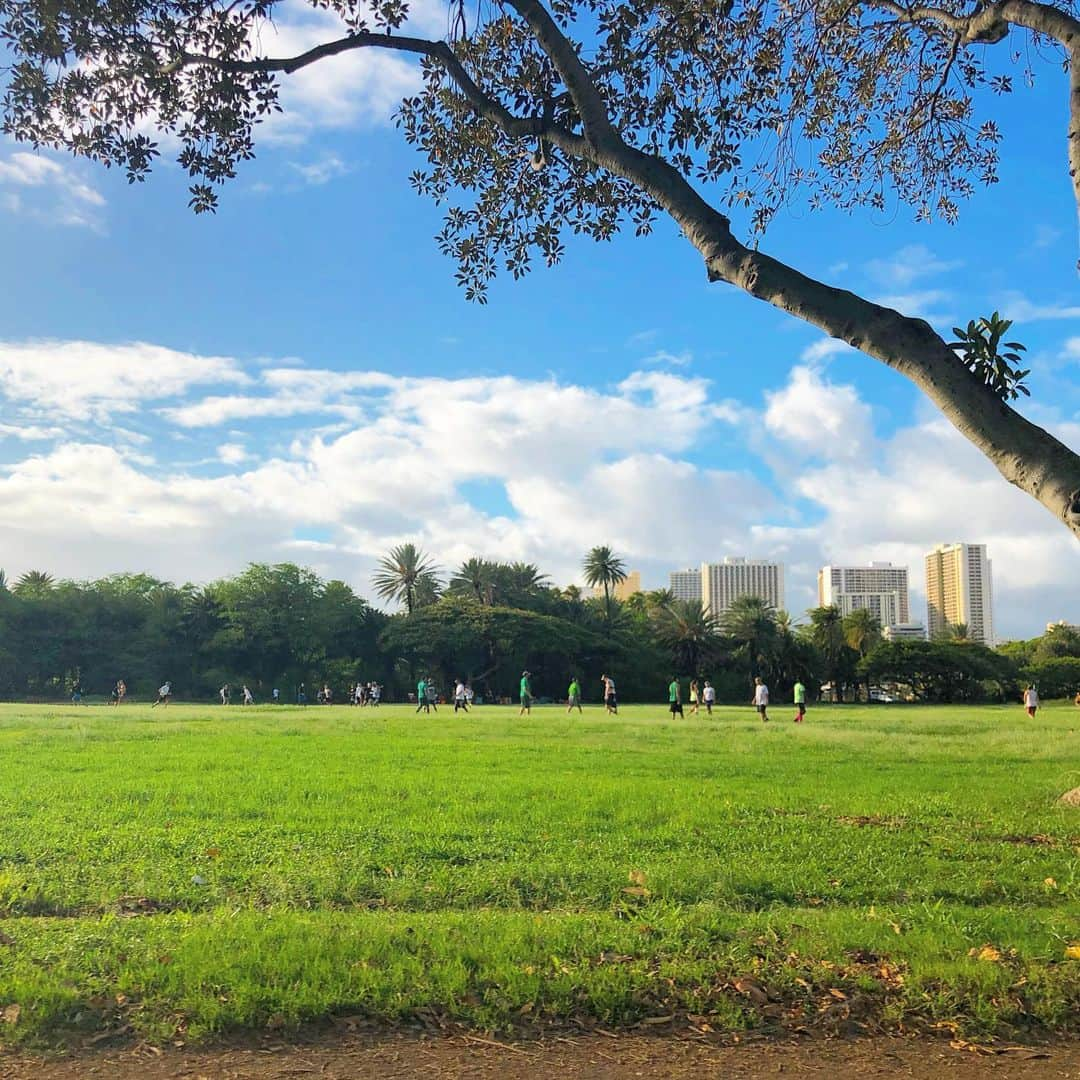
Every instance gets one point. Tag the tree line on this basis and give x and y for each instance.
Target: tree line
(279, 626)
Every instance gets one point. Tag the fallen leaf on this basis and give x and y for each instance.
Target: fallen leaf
(838, 994)
(987, 953)
(636, 890)
(658, 1019)
(1072, 952)
(9, 1014)
(1050, 883)
(212, 852)
(637, 877)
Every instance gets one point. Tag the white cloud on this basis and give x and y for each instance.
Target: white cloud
(30, 432)
(1020, 309)
(82, 380)
(907, 265)
(317, 173)
(921, 304)
(572, 466)
(48, 190)
(823, 348)
(819, 418)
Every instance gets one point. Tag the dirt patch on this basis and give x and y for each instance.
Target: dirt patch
(864, 821)
(1071, 798)
(594, 1056)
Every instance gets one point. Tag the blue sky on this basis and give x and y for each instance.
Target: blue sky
(299, 377)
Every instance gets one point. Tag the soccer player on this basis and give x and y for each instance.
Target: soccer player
(761, 698)
(301, 695)
(799, 693)
(694, 696)
(163, 695)
(573, 695)
(459, 697)
(674, 692)
(709, 695)
(226, 694)
(121, 690)
(76, 693)
(248, 699)
(276, 695)
(1031, 700)
(526, 695)
(421, 695)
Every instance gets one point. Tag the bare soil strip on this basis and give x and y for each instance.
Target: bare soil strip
(595, 1056)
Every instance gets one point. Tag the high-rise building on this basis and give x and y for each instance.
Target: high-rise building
(959, 590)
(880, 588)
(724, 582)
(912, 631)
(624, 589)
(686, 584)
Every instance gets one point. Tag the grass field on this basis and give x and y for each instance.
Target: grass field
(183, 872)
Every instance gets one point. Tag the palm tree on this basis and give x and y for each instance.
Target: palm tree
(689, 631)
(407, 575)
(604, 568)
(751, 622)
(527, 578)
(862, 631)
(472, 576)
(959, 632)
(3, 581)
(34, 583)
(827, 634)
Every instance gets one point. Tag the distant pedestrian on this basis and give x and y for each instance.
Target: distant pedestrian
(301, 695)
(275, 694)
(248, 698)
(1031, 700)
(675, 697)
(421, 695)
(226, 694)
(76, 693)
(119, 691)
(459, 697)
(469, 694)
(327, 695)
(709, 694)
(761, 698)
(611, 701)
(525, 691)
(374, 693)
(799, 694)
(164, 695)
(432, 694)
(694, 696)
(573, 695)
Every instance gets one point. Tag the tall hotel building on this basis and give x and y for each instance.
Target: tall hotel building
(686, 584)
(959, 590)
(724, 582)
(880, 588)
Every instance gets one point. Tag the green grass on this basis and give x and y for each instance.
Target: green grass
(198, 870)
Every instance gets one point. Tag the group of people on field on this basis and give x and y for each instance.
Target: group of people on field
(706, 695)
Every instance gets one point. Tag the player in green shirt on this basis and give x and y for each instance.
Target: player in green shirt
(573, 695)
(800, 701)
(674, 692)
(526, 695)
(421, 696)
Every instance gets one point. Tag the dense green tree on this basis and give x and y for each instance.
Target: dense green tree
(750, 623)
(827, 634)
(690, 633)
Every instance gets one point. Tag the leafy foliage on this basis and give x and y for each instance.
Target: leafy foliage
(979, 347)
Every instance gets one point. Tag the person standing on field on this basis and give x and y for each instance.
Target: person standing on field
(226, 694)
(459, 697)
(709, 694)
(694, 696)
(526, 695)
(421, 695)
(674, 697)
(611, 702)
(573, 695)
(248, 698)
(799, 693)
(1031, 700)
(761, 698)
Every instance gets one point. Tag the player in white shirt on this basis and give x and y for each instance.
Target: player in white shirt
(761, 698)
(708, 695)
(1031, 700)
(459, 697)
(248, 698)
(163, 695)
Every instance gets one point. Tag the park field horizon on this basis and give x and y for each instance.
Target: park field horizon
(185, 873)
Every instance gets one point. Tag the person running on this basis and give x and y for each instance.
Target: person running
(164, 694)
(76, 693)
(573, 695)
(459, 697)
(374, 693)
(1031, 700)
(121, 690)
(611, 702)
(761, 698)
(226, 694)
(709, 696)
(674, 692)
(525, 690)
(693, 696)
(799, 693)
(248, 698)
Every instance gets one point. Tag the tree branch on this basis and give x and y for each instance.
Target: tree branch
(483, 103)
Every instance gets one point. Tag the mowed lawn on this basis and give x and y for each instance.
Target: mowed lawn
(186, 871)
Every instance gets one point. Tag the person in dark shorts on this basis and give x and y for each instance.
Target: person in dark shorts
(611, 701)
(526, 695)
(674, 691)
(573, 695)
(761, 698)
(1031, 700)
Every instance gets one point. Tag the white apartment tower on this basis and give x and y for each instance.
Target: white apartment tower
(686, 584)
(724, 582)
(959, 589)
(879, 587)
